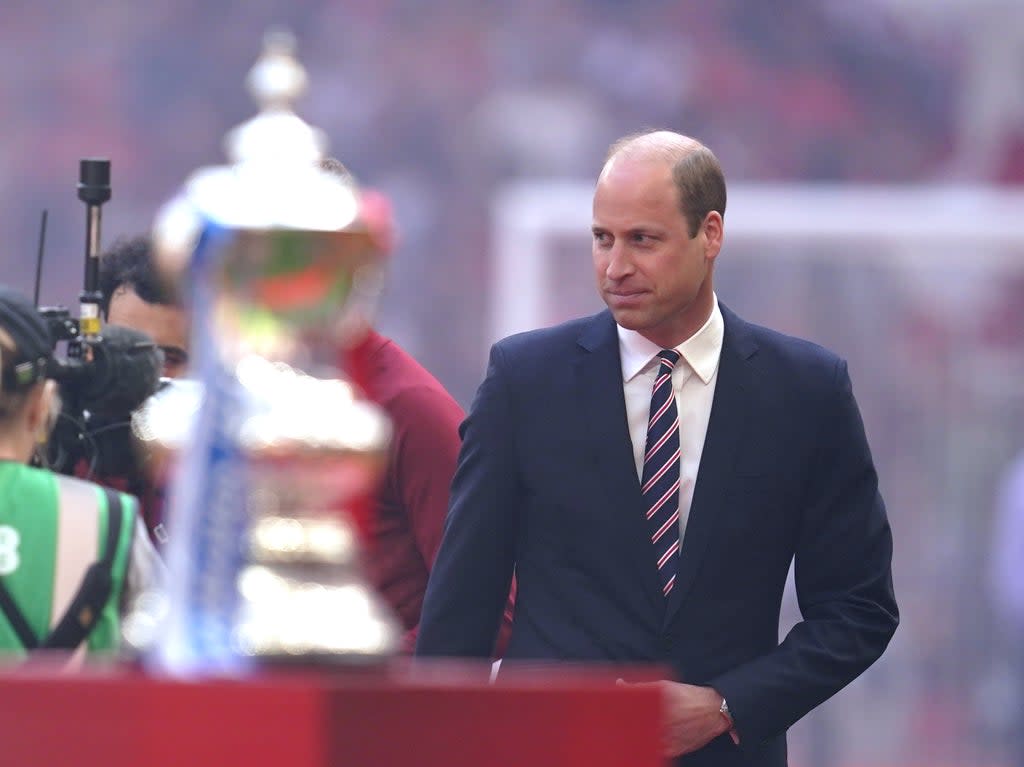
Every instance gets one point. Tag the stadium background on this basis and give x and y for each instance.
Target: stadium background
(445, 104)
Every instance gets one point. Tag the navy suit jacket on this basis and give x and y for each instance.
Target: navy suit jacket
(546, 487)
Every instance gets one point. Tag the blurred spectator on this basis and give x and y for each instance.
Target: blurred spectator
(408, 517)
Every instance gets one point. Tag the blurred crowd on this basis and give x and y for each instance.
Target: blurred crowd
(439, 104)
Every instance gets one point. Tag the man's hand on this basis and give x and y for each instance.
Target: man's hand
(691, 717)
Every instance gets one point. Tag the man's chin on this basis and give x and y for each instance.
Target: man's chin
(628, 319)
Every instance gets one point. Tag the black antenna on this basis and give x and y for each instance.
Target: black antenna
(39, 256)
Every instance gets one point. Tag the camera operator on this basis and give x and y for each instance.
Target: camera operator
(133, 296)
(72, 555)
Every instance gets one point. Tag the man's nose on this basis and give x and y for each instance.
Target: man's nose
(619, 263)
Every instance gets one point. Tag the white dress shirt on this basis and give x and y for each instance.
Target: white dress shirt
(693, 381)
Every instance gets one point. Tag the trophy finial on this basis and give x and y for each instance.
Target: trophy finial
(277, 79)
(276, 134)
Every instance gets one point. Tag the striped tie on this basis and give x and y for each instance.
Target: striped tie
(660, 483)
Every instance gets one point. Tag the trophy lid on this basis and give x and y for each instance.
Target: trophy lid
(273, 179)
(289, 249)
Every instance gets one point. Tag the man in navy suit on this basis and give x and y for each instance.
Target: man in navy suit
(649, 474)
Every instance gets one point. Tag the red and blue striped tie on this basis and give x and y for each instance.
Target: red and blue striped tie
(660, 483)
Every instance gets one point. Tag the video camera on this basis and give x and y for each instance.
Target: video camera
(106, 372)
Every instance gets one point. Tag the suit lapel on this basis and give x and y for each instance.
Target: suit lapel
(715, 477)
(598, 371)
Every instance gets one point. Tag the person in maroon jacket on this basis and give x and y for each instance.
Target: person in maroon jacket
(405, 527)
(404, 530)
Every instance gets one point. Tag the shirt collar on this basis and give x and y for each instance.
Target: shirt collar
(701, 351)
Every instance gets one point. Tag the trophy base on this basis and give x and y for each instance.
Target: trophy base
(312, 619)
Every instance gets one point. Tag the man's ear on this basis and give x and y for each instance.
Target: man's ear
(714, 232)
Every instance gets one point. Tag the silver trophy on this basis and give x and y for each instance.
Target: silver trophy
(273, 447)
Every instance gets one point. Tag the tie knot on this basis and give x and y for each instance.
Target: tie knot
(669, 357)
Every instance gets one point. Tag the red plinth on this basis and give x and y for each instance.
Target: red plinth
(428, 715)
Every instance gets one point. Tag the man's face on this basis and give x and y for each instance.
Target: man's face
(165, 324)
(654, 277)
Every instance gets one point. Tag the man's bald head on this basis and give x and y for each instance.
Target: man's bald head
(696, 172)
(665, 145)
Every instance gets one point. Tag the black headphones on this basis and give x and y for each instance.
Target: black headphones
(27, 363)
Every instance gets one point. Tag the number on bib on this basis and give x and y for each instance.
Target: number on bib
(9, 540)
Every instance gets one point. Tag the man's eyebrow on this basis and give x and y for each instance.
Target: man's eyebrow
(176, 351)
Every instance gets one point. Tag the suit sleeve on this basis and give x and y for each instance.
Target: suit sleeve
(843, 584)
(469, 583)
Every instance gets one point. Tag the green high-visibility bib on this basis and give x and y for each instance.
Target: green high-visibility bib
(36, 534)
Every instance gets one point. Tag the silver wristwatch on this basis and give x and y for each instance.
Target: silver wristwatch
(724, 710)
